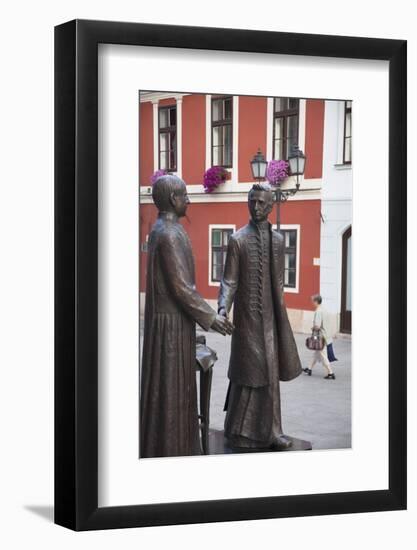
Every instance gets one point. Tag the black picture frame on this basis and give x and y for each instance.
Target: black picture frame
(76, 271)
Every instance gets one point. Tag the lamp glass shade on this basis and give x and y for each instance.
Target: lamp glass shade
(297, 164)
(258, 165)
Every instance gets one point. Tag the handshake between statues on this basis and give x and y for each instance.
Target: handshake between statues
(222, 324)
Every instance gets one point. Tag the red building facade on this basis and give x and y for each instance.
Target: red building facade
(188, 133)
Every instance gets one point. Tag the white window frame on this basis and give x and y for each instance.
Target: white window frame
(341, 136)
(178, 104)
(270, 125)
(231, 184)
(210, 227)
(297, 227)
(301, 133)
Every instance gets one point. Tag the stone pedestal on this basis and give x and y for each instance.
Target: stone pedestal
(218, 445)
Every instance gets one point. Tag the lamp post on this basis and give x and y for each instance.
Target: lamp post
(296, 166)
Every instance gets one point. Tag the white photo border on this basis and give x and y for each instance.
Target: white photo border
(123, 479)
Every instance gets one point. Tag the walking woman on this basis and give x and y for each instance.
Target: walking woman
(320, 325)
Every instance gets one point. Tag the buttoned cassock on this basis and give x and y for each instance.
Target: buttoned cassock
(263, 347)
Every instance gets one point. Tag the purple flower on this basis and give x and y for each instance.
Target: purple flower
(277, 171)
(213, 177)
(157, 174)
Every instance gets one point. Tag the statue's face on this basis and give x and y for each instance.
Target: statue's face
(260, 205)
(180, 201)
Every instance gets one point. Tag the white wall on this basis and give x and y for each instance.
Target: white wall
(26, 276)
(336, 209)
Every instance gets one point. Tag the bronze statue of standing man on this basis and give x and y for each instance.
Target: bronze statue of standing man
(168, 406)
(263, 346)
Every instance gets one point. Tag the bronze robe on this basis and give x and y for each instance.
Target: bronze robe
(263, 346)
(168, 407)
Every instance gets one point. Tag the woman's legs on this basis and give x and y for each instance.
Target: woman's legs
(320, 357)
(324, 360)
(316, 358)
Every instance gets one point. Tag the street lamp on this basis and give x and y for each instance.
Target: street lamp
(258, 165)
(297, 162)
(296, 165)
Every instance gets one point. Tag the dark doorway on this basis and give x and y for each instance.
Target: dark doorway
(346, 306)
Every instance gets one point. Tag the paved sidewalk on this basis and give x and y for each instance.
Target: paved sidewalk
(312, 408)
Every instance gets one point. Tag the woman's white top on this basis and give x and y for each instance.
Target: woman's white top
(320, 320)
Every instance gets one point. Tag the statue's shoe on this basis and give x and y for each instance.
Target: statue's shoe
(281, 443)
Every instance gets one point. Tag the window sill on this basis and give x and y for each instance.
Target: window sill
(290, 290)
(343, 166)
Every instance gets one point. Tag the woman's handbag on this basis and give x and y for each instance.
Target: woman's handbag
(315, 342)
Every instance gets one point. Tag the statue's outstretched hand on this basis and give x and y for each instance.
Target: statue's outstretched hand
(222, 311)
(222, 325)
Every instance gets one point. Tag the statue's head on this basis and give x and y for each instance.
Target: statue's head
(169, 194)
(260, 201)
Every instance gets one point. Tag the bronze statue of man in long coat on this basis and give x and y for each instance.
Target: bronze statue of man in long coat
(263, 346)
(168, 406)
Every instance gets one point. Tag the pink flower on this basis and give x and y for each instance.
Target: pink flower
(277, 171)
(213, 177)
(157, 174)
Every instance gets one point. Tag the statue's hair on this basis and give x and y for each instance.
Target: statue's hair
(261, 187)
(162, 189)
